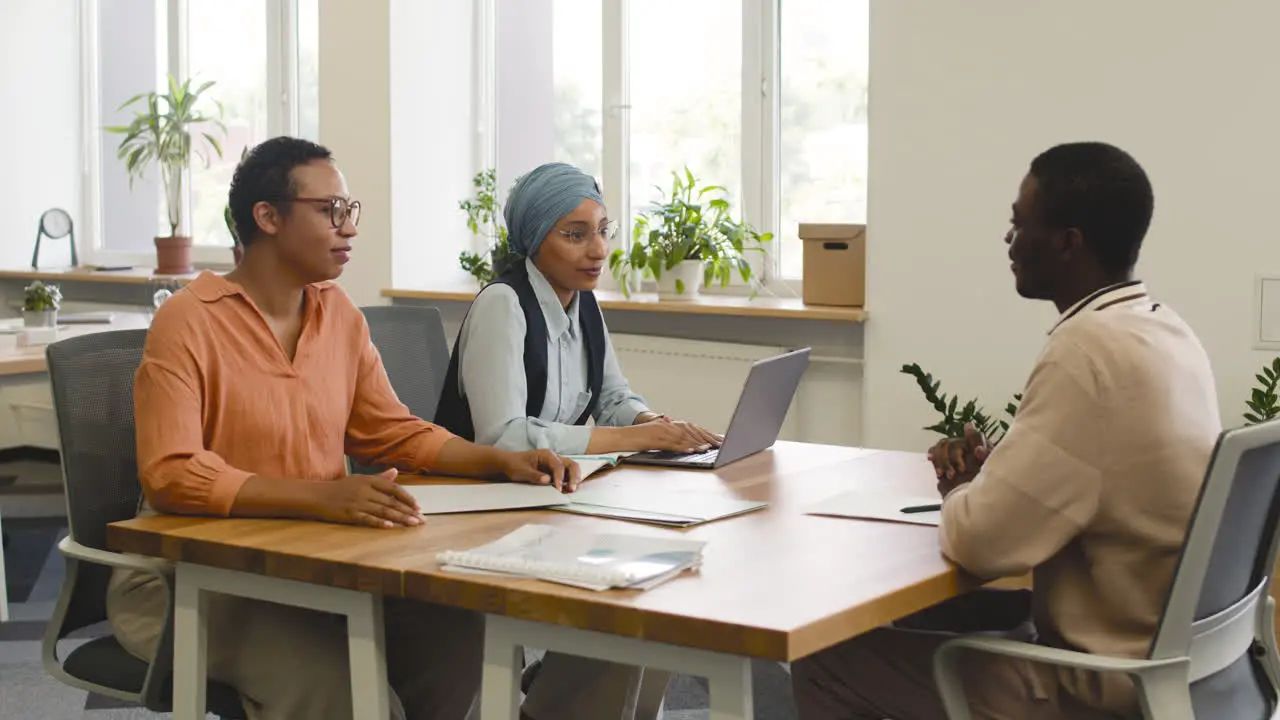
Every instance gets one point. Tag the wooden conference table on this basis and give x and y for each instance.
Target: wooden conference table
(775, 584)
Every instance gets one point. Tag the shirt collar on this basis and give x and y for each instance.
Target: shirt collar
(211, 287)
(1103, 299)
(559, 319)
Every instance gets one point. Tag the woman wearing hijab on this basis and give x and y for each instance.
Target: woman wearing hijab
(532, 363)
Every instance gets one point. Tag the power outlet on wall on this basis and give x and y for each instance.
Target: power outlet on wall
(1266, 312)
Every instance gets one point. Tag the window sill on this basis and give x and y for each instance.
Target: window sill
(703, 304)
(132, 276)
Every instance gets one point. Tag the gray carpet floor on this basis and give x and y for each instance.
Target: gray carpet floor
(31, 508)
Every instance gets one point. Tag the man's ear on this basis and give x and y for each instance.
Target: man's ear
(1069, 243)
(268, 218)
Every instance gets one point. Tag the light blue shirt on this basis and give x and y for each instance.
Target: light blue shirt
(492, 379)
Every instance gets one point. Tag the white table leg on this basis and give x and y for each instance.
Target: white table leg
(730, 690)
(500, 679)
(366, 636)
(190, 645)
(729, 676)
(368, 659)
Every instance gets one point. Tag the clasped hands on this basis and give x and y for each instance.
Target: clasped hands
(957, 461)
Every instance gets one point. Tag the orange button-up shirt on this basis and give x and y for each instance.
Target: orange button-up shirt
(218, 401)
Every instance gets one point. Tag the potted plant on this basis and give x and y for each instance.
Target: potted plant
(1264, 400)
(684, 241)
(160, 133)
(483, 218)
(956, 415)
(40, 305)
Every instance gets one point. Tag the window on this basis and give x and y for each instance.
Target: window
(226, 44)
(823, 99)
(576, 77)
(686, 106)
(253, 52)
(767, 98)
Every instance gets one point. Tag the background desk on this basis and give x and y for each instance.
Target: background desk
(775, 584)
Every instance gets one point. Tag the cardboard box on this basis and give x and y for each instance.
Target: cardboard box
(835, 264)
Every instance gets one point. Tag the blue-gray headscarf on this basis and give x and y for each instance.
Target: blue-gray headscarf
(540, 199)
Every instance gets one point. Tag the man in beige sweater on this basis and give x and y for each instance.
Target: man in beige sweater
(1092, 488)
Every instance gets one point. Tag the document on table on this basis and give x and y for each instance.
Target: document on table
(882, 505)
(663, 507)
(445, 499)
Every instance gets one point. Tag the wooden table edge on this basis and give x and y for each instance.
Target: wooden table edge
(277, 565)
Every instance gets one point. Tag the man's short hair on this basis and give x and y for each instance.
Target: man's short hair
(266, 174)
(1100, 190)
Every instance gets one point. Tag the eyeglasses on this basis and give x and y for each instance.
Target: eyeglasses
(339, 208)
(607, 231)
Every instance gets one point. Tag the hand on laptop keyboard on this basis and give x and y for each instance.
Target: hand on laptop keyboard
(679, 438)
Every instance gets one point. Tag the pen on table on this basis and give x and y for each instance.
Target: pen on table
(921, 508)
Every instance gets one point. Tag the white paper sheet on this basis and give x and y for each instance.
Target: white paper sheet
(879, 505)
(444, 499)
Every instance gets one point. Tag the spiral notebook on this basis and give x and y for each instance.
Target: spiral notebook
(595, 561)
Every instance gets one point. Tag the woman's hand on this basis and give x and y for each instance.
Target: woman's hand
(672, 436)
(372, 500)
(542, 467)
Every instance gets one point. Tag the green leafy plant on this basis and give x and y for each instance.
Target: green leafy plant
(955, 414)
(160, 133)
(484, 213)
(1263, 403)
(686, 225)
(38, 297)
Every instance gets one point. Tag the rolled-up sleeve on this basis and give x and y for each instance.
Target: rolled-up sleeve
(493, 380)
(618, 406)
(177, 473)
(381, 430)
(1040, 486)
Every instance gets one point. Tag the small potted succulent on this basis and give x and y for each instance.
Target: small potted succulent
(40, 305)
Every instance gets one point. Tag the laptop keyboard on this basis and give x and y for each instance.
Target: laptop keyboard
(708, 456)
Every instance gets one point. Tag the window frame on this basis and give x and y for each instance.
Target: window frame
(282, 118)
(760, 203)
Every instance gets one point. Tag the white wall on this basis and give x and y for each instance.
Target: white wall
(40, 144)
(963, 95)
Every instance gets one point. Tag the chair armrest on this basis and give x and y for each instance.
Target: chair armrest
(1052, 656)
(1167, 674)
(75, 554)
(155, 566)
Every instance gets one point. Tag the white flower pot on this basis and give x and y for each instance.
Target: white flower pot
(39, 318)
(681, 282)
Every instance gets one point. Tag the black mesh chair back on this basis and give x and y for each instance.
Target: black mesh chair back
(92, 382)
(415, 352)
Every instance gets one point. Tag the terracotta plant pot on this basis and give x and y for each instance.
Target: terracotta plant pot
(173, 255)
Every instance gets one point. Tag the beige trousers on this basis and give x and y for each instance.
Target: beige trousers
(888, 673)
(289, 662)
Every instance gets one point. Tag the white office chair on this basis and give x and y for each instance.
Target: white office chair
(1214, 653)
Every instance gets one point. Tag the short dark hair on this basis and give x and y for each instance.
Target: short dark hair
(266, 174)
(1100, 190)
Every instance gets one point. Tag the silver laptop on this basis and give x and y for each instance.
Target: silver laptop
(756, 421)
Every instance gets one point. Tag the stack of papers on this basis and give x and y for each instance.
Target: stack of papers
(674, 508)
(677, 508)
(595, 561)
(882, 505)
